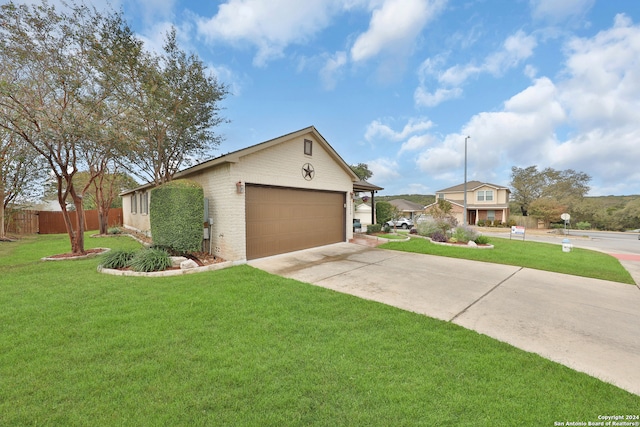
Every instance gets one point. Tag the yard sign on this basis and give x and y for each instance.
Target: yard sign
(518, 230)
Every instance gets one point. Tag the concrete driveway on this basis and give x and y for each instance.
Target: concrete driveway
(589, 325)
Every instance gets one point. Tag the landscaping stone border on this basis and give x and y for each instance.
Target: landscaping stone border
(71, 258)
(381, 239)
(456, 245)
(167, 273)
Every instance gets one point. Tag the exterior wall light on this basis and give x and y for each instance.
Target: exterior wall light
(239, 187)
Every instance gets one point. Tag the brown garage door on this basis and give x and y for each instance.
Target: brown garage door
(280, 220)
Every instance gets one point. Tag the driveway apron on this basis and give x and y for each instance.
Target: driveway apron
(590, 325)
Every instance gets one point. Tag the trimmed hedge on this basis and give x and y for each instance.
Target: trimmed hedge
(176, 215)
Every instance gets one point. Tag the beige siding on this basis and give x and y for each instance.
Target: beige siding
(226, 207)
(278, 165)
(135, 220)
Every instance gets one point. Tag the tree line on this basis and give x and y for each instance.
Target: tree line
(546, 194)
(79, 93)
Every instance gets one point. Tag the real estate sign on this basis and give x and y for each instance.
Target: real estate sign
(517, 230)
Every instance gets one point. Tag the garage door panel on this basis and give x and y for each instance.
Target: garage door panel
(282, 220)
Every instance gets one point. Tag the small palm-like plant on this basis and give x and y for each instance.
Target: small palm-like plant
(148, 260)
(117, 258)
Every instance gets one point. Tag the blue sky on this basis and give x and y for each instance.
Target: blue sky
(398, 84)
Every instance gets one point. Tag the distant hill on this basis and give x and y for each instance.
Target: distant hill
(423, 199)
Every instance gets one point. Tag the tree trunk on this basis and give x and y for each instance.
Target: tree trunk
(78, 243)
(102, 206)
(76, 235)
(103, 219)
(2, 230)
(68, 225)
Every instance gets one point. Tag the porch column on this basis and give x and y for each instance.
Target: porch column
(373, 207)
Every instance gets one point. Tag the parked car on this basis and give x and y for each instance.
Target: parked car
(400, 223)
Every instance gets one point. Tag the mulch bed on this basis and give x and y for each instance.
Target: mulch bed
(201, 258)
(71, 255)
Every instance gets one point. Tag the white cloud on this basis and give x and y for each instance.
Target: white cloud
(394, 26)
(269, 26)
(332, 68)
(444, 160)
(558, 11)
(601, 92)
(384, 169)
(378, 130)
(515, 49)
(603, 88)
(417, 142)
(427, 99)
(524, 130)
(595, 102)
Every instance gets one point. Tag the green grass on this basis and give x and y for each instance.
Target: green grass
(540, 256)
(393, 236)
(242, 347)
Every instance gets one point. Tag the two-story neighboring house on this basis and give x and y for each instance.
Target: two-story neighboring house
(485, 201)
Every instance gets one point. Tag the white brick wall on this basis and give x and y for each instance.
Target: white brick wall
(137, 221)
(277, 165)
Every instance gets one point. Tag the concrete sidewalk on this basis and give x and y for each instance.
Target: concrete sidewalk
(590, 325)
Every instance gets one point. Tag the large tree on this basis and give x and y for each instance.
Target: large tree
(51, 94)
(174, 107)
(567, 187)
(20, 173)
(547, 210)
(362, 170)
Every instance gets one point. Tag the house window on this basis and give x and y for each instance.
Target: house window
(134, 203)
(484, 195)
(308, 147)
(491, 215)
(440, 196)
(144, 203)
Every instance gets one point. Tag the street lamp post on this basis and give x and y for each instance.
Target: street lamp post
(464, 221)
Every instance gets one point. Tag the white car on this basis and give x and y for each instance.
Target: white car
(400, 223)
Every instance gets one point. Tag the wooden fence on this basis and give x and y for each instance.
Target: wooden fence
(47, 222)
(21, 221)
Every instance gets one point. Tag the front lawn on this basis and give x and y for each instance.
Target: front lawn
(540, 256)
(242, 347)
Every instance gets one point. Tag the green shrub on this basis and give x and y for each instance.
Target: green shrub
(114, 230)
(373, 228)
(482, 240)
(439, 236)
(511, 223)
(463, 234)
(482, 223)
(383, 212)
(583, 225)
(147, 260)
(430, 226)
(117, 258)
(176, 215)
(386, 228)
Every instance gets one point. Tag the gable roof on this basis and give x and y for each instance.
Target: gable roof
(471, 185)
(363, 185)
(405, 205)
(234, 157)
